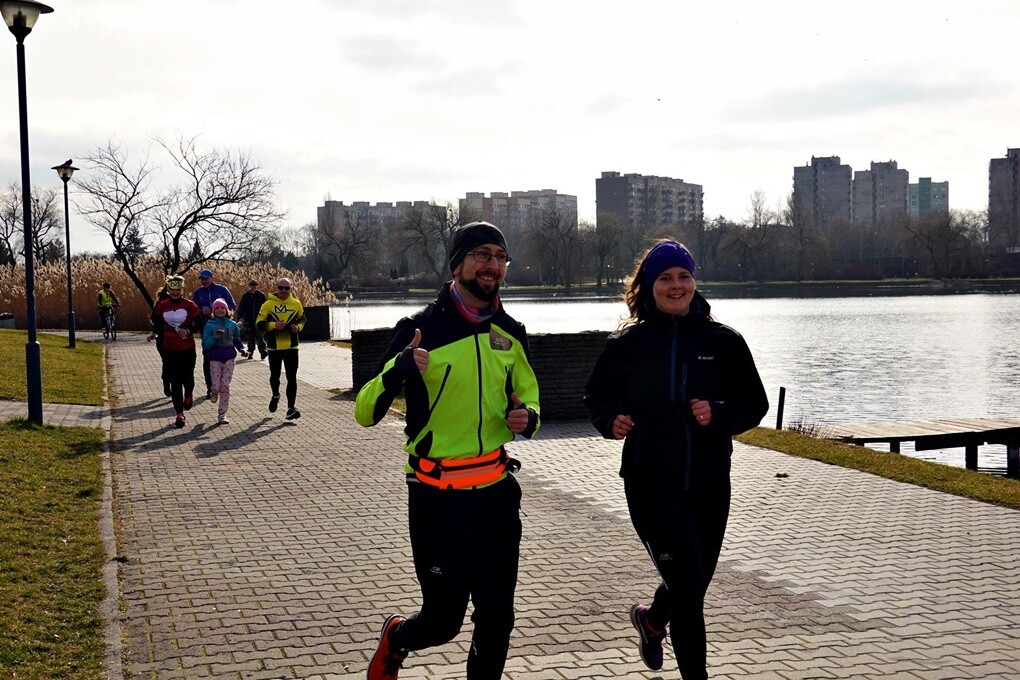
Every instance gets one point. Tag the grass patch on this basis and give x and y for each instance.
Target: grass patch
(69, 376)
(346, 344)
(51, 554)
(978, 486)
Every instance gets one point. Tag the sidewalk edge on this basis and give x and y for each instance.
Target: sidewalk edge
(109, 608)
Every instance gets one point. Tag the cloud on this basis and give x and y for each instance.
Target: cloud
(473, 82)
(382, 53)
(856, 96)
(606, 104)
(501, 12)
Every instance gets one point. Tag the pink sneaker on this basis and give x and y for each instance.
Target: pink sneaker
(650, 644)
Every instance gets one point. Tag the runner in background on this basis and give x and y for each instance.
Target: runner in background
(221, 340)
(281, 319)
(204, 296)
(174, 319)
(247, 312)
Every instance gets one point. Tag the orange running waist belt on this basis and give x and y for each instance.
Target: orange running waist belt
(460, 473)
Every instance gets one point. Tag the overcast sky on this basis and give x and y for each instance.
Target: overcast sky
(428, 99)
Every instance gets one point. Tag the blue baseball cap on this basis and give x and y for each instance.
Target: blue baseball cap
(205, 274)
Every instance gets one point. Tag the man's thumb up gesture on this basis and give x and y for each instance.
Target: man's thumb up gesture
(414, 356)
(518, 416)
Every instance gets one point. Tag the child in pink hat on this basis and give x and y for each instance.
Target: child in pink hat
(221, 339)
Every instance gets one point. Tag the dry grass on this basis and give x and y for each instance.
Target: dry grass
(88, 275)
(957, 481)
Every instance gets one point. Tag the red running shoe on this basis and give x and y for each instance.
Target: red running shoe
(387, 660)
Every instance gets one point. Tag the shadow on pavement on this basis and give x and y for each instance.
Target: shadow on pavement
(236, 439)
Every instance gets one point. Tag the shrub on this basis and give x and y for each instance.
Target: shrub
(88, 275)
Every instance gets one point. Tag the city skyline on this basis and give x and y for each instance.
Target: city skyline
(395, 100)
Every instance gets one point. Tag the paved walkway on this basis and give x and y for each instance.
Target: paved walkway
(274, 549)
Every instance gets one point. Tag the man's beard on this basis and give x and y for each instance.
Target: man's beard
(476, 289)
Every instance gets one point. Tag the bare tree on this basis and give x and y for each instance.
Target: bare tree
(425, 233)
(944, 237)
(804, 236)
(47, 225)
(344, 245)
(11, 232)
(756, 239)
(222, 208)
(554, 237)
(605, 246)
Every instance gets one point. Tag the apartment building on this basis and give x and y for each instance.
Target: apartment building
(823, 189)
(382, 217)
(927, 198)
(1004, 199)
(380, 214)
(517, 210)
(880, 194)
(647, 201)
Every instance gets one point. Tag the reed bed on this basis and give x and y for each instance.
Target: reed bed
(88, 275)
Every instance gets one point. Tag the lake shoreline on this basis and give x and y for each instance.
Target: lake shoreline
(740, 290)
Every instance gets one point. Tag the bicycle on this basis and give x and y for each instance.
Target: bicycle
(110, 324)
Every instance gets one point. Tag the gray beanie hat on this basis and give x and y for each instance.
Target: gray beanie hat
(470, 236)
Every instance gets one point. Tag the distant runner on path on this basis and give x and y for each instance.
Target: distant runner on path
(221, 339)
(247, 312)
(463, 363)
(281, 319)
(174, 319)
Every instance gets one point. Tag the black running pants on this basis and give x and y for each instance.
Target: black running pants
(179, 369)
(288, 360)
(683, 533)
(466, 545)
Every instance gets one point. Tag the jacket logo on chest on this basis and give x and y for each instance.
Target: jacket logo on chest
(280, 309)
(702, 357)
(499, 342)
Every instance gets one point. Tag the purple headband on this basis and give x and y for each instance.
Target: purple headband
(666, 255)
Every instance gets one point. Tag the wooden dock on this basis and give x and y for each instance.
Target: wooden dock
(969, 433)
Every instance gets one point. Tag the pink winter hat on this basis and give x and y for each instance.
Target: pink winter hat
(220, 302)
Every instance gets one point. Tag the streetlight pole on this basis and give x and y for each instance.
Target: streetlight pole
(65, 171)
(20, 17)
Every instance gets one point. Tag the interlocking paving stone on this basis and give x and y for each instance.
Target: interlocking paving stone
(274, 549)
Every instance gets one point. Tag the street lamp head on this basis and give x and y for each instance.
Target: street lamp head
(21, 15)
(65, 170)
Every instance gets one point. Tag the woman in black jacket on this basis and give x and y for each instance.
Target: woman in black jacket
(675, 385)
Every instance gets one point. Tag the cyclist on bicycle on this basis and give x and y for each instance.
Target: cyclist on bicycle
(106, 300)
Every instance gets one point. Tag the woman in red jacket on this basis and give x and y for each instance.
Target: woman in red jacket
(174, 319)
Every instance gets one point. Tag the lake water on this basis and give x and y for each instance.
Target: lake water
(865, 359)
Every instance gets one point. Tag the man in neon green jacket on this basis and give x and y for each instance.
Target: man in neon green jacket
(463, 365)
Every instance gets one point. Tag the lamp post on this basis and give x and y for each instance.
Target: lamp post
(65, 171)
(20, 17)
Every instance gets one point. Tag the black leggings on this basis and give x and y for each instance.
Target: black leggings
(206, 371)
(179, 369)
(466, 544)
(288, 358)
(683, 533)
